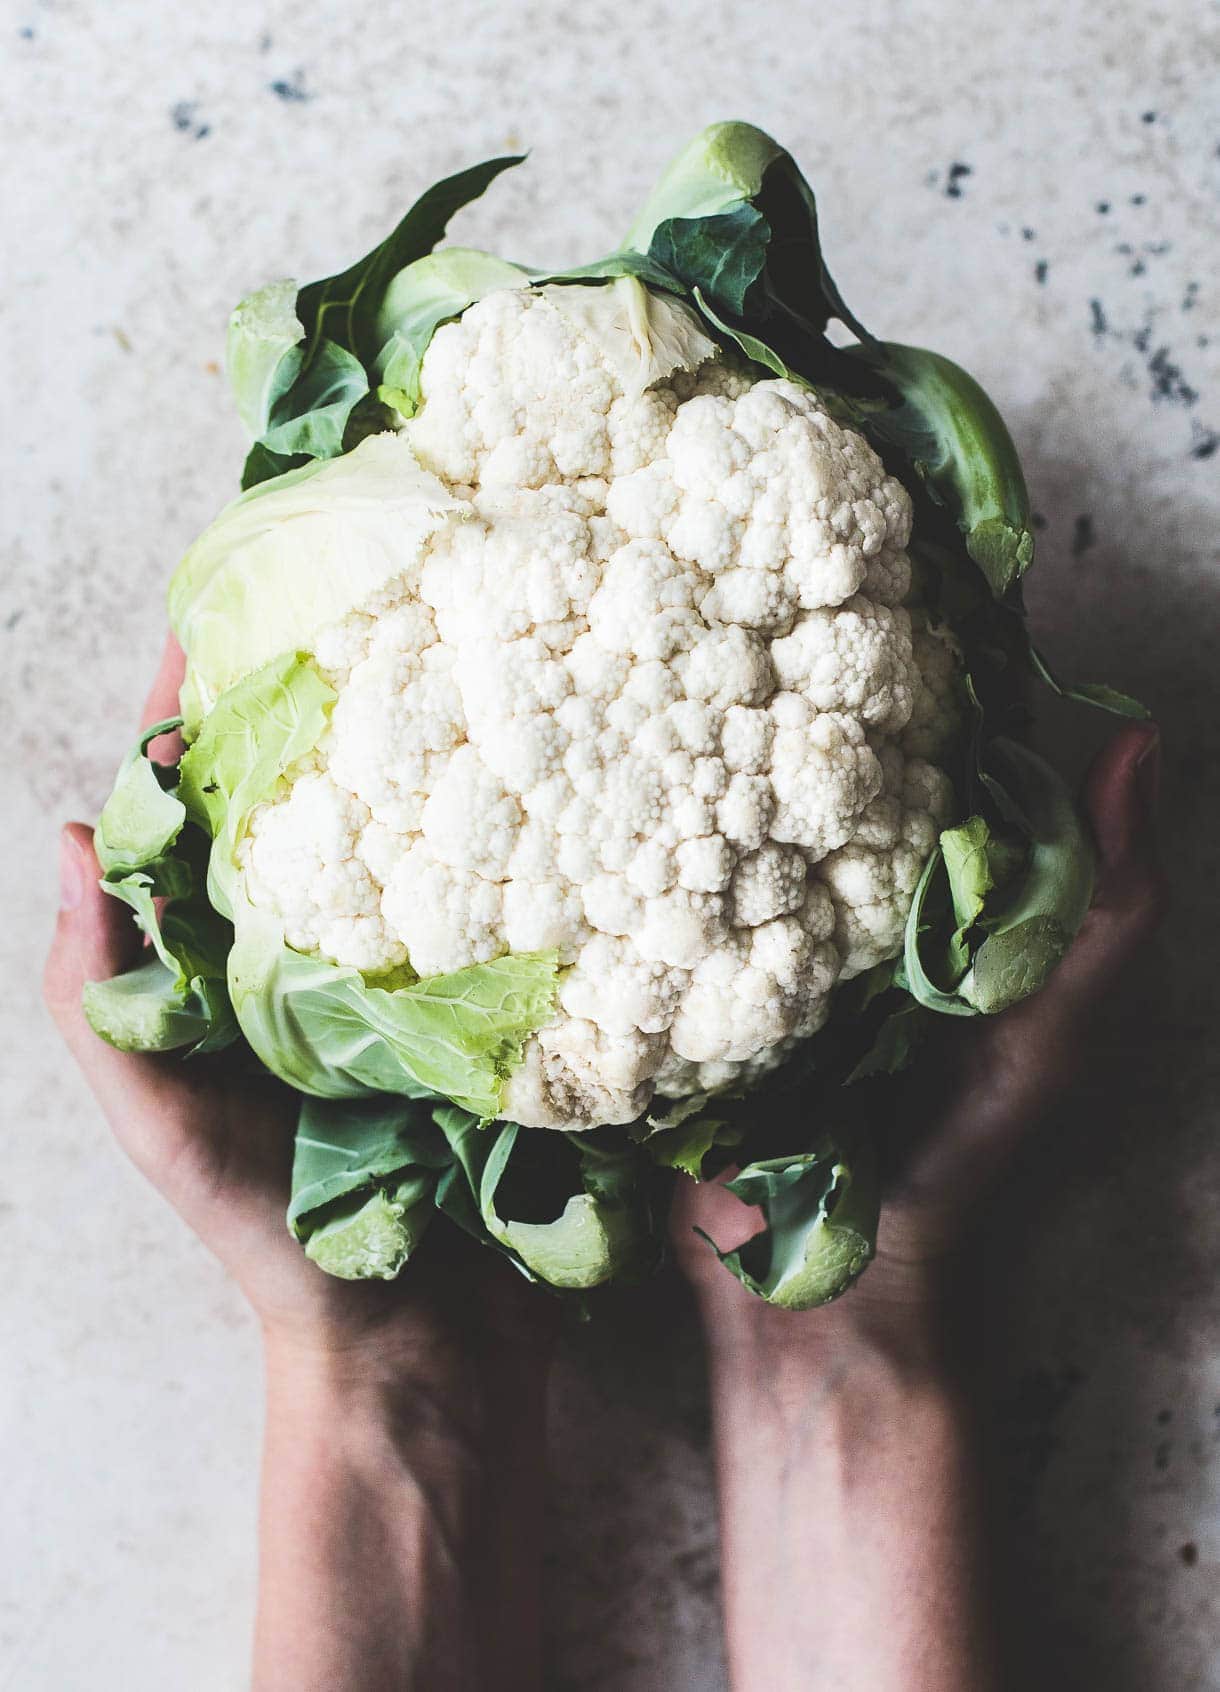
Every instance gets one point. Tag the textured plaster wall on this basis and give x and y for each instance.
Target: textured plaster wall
(1029, 186)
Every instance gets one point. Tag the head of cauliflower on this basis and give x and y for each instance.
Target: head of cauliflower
(649, 692)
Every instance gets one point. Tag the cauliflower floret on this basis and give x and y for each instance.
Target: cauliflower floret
(936, 712)
(751, 995)
(887, 580)
(445, 917)
(765, 485)
(469, 821)
(823, 773)
(679, 1078)
(769, 883)
(578, 1072)
(651, 701)
(300, 858)
(856, 658)
(393, 729)
(615, 987)
(871, 880)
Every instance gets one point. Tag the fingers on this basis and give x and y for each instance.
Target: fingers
(94, 939)
(162, 701)
(194, 1136)
(1120, 794)
(1129, 900)
(1006, 1070)
(708, 1205)
(94, 935)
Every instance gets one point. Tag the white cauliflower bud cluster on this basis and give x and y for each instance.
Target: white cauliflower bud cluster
(651, 700)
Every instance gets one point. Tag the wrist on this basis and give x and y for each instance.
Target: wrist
(419, 1384)
(894, 1326)
(365, 1404)
(407, 1458)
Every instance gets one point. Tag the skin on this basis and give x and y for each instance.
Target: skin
(403, 1456)
(853, 1545)
(403, 1461)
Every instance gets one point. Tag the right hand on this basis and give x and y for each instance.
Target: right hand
(977, 1092)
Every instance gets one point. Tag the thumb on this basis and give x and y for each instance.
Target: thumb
(1120, 796)
(94, 939)
(707, 1207)
(995, 1079)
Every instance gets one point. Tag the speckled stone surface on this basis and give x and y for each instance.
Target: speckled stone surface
(1029, 187)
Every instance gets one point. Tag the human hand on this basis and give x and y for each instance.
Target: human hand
(976, 1092)
(848, 1489)
(404, 1433)
(214, 1136)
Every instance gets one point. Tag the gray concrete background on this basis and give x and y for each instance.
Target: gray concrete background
(1027, 185)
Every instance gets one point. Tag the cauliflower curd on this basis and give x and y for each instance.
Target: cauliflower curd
(648, 694)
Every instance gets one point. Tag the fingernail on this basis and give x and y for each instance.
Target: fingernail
(71, 873)
(1148, 775)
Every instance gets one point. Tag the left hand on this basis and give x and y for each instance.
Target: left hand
(215, 1140)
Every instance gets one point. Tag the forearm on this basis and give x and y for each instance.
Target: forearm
(850, 1515)
(380, 1504)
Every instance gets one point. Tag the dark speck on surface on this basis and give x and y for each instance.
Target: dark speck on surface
(1082, 538)
(1027, 234)
(264, 41)
(13, 618)
(1038, 520)
(26, 32)
(1190, 296)
(1147, 117)
(1040, 270)
(1164, 1417)
(1103, 206)
(292, 89)
(1204, 444)
(1138, 199)
(184, 117)
(1097, 318)
(1189, 1553)
(1167, 379)
(1138, 268)
(957, 172)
